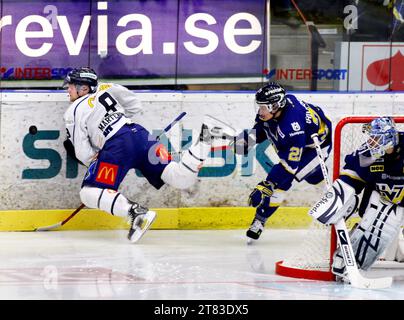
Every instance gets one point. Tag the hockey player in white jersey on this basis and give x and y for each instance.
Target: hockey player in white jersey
(103, 135)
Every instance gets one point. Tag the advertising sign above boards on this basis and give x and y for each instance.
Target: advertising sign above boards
(161, 40)
(373, 66)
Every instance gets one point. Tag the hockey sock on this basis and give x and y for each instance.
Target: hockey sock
(193, 158)
(107, 200)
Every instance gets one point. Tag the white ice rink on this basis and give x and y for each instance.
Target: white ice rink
(164, 265)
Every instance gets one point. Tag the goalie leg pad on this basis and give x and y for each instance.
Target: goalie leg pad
(400, 247)
(107, 200)
(338, 202)
(378, 228)
(391, 251)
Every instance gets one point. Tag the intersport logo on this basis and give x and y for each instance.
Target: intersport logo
(305, 74)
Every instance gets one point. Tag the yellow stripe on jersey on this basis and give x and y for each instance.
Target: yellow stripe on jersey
(287, 167)
(322, 128)
(314, 116)
(352, 174)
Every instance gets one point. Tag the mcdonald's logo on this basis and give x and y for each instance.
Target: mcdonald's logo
(107, 173)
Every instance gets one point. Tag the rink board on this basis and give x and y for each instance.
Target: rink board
(36, 174)
(167, 218)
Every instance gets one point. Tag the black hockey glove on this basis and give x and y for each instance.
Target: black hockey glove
(261, 195)
(70, 150)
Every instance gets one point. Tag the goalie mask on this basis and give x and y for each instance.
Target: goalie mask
(381, 134)
(271, 96)
(82, 76)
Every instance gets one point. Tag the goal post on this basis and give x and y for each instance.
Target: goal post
(313, 259)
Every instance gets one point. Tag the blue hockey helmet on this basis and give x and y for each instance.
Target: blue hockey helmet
(381, 135)
(80, 76)
(272, 96)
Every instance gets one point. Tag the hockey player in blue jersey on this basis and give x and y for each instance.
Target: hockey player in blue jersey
(375, 171)
(103, 134)
(288, 123)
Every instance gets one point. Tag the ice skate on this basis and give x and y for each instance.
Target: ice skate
(213, 128)
(255, 230)
(140, 219)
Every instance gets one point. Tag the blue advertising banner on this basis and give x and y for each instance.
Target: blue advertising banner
(166, 39)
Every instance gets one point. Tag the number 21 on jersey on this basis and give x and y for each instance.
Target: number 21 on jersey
(295, 154)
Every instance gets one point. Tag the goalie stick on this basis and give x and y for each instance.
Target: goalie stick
(61, 223)
(356, 279)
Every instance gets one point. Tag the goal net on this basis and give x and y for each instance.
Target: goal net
(313, 259)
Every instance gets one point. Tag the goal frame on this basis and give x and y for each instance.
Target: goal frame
(328, 275)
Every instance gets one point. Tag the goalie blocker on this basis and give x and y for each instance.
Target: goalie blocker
(376, 231)
(340, 201)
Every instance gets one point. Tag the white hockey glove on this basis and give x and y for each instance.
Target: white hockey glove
(337, 203)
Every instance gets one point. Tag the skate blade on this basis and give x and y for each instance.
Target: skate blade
(149, 218)
(250, 241)
(225, 129)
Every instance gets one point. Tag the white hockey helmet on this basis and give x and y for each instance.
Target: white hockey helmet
(381, 134)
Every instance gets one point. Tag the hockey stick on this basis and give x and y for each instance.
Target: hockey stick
(212, 149)
(172, 124)
(61, 223)
(355, 277)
